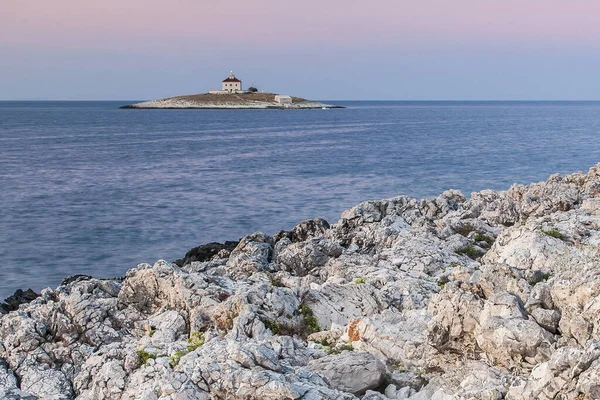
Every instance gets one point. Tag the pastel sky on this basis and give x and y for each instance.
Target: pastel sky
(321, 49)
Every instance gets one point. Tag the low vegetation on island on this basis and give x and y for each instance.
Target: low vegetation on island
(252, 99)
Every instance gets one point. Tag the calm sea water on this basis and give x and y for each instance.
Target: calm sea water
(88, 188)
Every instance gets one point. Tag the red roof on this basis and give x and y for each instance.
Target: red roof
(231, 80)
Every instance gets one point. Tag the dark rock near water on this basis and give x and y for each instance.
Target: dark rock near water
(76, 278)
(206, 252)
(304, 230)
(19, 297)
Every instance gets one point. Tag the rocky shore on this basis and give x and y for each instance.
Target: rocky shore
(229, 101)
(496, 296)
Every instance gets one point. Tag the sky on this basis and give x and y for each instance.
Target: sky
(325, 49)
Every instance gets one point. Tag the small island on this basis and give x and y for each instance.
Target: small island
(232, 96)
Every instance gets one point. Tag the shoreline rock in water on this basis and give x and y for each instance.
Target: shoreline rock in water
(495, 296)
(13, 302)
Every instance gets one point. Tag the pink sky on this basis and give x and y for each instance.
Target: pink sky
(326, 49)
(121, 23)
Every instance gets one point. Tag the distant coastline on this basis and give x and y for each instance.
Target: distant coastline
(245, 101)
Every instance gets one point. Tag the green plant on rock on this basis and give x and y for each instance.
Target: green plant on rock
(325, 342)
(151, 332)
(308, 319)
(360, 280)
(546, 276)
(143, 356)
(279, 328)
(195, 340)
(340, 348)
(399, 366)
(276, 282)
(469, 251)
(487, 239)
(175, 358)
(273, 326)
(555, 233)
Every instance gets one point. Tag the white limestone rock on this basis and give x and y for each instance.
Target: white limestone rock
(387, 281)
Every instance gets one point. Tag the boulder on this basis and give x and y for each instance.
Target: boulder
(252, 254)
(19, 297)
(352, 372)
(207, 251)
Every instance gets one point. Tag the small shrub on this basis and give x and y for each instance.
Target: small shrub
(151, 332)
(338, 349)
(175, 358)
(252, 89)
(307, 325)
(489, 240)
(399, 366)
(555, 233)
(464, 229)
(276, 282)
(441, 284)
(469, 251)
(308, 319)
(279, 328)
(325, 343)
(195, 340)
(273, 326)
(143, 356)
(360, 280)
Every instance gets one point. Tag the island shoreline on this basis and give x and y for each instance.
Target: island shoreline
(131, 107)
(232, 101)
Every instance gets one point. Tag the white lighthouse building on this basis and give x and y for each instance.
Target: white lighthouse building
(231, 84)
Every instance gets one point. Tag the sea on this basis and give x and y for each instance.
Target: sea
(88, 188)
